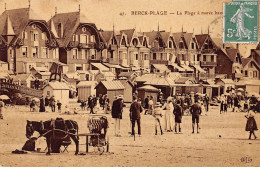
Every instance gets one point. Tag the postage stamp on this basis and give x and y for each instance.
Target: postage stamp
(241, 21)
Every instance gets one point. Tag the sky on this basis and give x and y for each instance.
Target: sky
(105, 13)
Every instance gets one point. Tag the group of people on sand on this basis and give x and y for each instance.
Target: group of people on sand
(95, 104)
(46, 104)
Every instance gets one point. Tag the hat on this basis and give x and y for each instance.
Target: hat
(158, 104)
(120, 96)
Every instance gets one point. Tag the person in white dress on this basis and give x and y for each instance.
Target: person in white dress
(168, 117)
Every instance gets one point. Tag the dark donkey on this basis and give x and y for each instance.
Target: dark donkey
(65, 129)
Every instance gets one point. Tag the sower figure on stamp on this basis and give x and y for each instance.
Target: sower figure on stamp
(157, 114)
(195, 112)
(135, 116)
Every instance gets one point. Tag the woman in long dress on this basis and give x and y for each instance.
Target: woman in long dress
(251, 125)
(42, 105)
(168, 107)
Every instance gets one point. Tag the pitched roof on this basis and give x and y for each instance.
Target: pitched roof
(149, 87)
(86, 83)
(70, 22)
(232, 53)
(100, 66)
(22, 77)
(177, 37)
(15, 20)
(129, 33)
(227, 81)
(161, 81)
(56, 85)
(126, 74)
(188, 37)
(201, 38)
(165, 36)
(245, 61)
(113, 85)
(183, 80)
(107, 35)
(151, 35)
(160, 67)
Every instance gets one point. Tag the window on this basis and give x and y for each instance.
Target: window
(181, 46)
(192, 46)
(87, 54)
(251, 74)
(170, 44)
(135, 42)
(74, 54)
(255, 74)
(212, 58)
(92, 38)
(44, 52)
(246, 73)
(136, 56)
(83, 38)
(75, 37)
(24, 51)
(154, 56)
(92, 54)
(11, 53)
(83, 54)
(251, 65)
(145, 56)
(204, 57)
(182, 57)
(35, 51)
(48, 93)
(24, 35)
(34, 36)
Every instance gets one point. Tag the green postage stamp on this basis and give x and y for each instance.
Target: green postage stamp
(241, 21)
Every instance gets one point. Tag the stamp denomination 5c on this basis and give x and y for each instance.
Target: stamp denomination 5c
(241, 19)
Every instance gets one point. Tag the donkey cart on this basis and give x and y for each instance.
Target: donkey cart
(97, 136)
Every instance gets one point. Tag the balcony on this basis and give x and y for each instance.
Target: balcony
(208, 63)
(159, 62)
(20, 42)
(84, 45)
(113, 47)
(72, 44)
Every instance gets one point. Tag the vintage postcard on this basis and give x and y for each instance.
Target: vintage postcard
(129, 83)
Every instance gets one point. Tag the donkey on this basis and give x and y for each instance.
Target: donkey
(69, 130)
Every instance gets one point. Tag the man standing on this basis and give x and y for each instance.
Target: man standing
(36, 83)
(195, 112)
(117, 109)
(91, 104)
(135, 110)
(52, 103)
(146, 106)
(206, 101)
(178, 112)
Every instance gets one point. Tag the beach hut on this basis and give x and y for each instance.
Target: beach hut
(128, 92)
(59, 90)
(226, 85)
(24, 79)
(111, 88)
(85, 89)
(148, 90)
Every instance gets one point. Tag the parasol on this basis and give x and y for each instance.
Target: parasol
(240, 89)
(4, 97)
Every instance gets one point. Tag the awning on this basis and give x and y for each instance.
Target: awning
(177, 67)
(197, 67)
(113, 65)
(160, 67)
(100, 66)
(187, 68)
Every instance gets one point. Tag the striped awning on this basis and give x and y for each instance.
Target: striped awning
(197, 67)
(187, 68)
(177, 67)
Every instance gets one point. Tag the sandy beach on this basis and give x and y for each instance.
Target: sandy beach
(222, 141)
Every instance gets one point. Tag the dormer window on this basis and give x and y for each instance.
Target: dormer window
(170, 44)
(33, 26)
(84, 29)
(135, 42)
(181, 45)
(192, 46)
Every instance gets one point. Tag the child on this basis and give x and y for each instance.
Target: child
(59, 106)
(32, 106)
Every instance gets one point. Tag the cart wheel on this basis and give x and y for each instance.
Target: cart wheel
(107, 144)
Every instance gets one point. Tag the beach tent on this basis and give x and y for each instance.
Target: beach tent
(85, 89)
(148, 90)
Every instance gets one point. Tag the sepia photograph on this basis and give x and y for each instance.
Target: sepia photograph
(129, 83)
